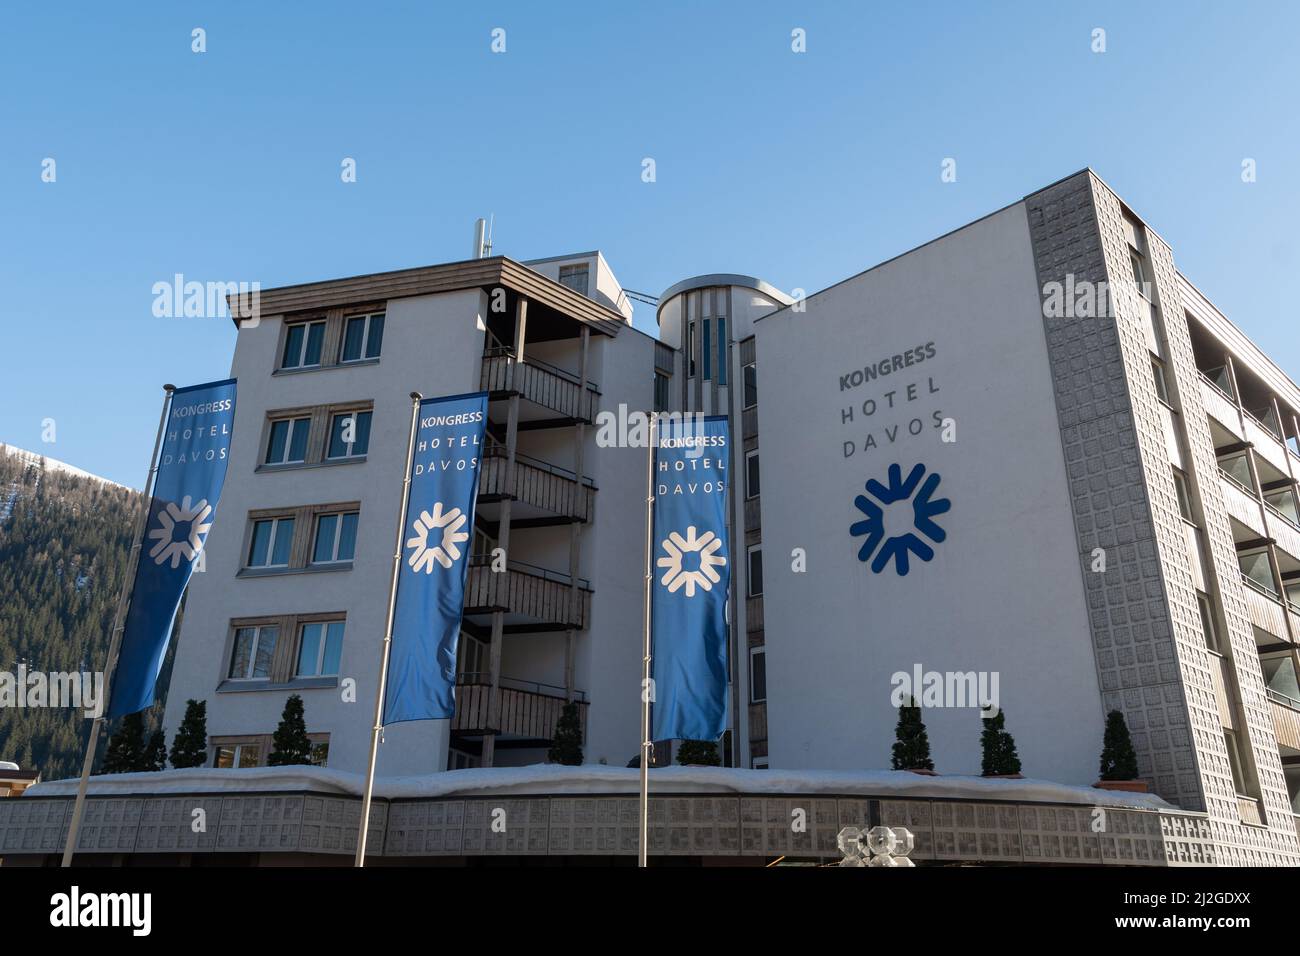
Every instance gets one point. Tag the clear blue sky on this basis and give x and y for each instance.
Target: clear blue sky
(802, 169)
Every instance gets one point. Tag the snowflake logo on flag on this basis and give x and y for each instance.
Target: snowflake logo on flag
(892, 542)
(166, 546)
(445, 552)
(676, 576)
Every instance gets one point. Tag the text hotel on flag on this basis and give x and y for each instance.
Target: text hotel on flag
(438, 530)
(692, 575)
(191, 470)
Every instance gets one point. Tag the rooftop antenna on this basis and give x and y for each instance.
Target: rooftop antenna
(482, 238)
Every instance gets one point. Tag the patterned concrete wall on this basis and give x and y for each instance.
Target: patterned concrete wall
(1137, 666)
(1152, 663)
(729, 827)
(1242, 845)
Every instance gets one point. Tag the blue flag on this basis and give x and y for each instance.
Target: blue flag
(191, 471)
(438, 528)
(691, 580)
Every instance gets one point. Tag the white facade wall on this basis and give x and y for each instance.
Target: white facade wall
(432, 344)
(1003, 593)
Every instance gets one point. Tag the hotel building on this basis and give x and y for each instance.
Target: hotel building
(1029, 453)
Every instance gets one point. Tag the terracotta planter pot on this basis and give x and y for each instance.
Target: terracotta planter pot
(1128, 786)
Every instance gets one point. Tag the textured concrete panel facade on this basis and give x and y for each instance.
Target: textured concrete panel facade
(1152, 659)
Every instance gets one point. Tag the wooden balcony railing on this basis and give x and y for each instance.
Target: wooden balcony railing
(537, 483)
(539, 383)
(527, 710)
(1265, 610)
(1286, 719)
(1220, 407)
(543, 597)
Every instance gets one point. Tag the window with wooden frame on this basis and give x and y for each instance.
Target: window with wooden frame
(252, 750)
(230, 753)
(253, 651)
(313, 435)
(287, 441)
(320, 646)
(283, 651)
(349, 435)
(304, 343)
(363, 337)
(336, 537)
(285, 540)
(346, 335)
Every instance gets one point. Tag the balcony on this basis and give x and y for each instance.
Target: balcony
(542, 492)
(1243, 505)
(1265, 610)
(1220, 406)
(532, 598)
(543, 385)
(1267, 442)
(529, 711)
(1286, 720)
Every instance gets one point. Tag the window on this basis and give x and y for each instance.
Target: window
(250, 657)
(722, 350)
(459, 760)
(757, 675)
(272, 540)
(319, 647)
(1257, 570)
(750, 386)
(1234, 761)
(1162, 384)
(227, 756)
(661, 392)
(349, 435)
(1184, 495)
(1208, 626)
(1283, 502)
(287, 443)
(1221, 379)
(690, 349)
(336, 537)
(755, 570)
(1139, 273)
(1237, 468)
(320, 752)
(471, 657)
(363, 336)
(1293, 595)
(751, 474)
(574, 277)
(758, 763)
(302, 345)
(706, 348)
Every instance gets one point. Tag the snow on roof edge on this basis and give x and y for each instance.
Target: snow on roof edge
(595, 779)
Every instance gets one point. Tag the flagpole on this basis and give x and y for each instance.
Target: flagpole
(646, 743)
(388, 638)
(119, 622)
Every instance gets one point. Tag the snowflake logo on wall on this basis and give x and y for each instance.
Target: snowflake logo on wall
(166, 547)
(676, 576)
(445, 552)
(897, 543)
